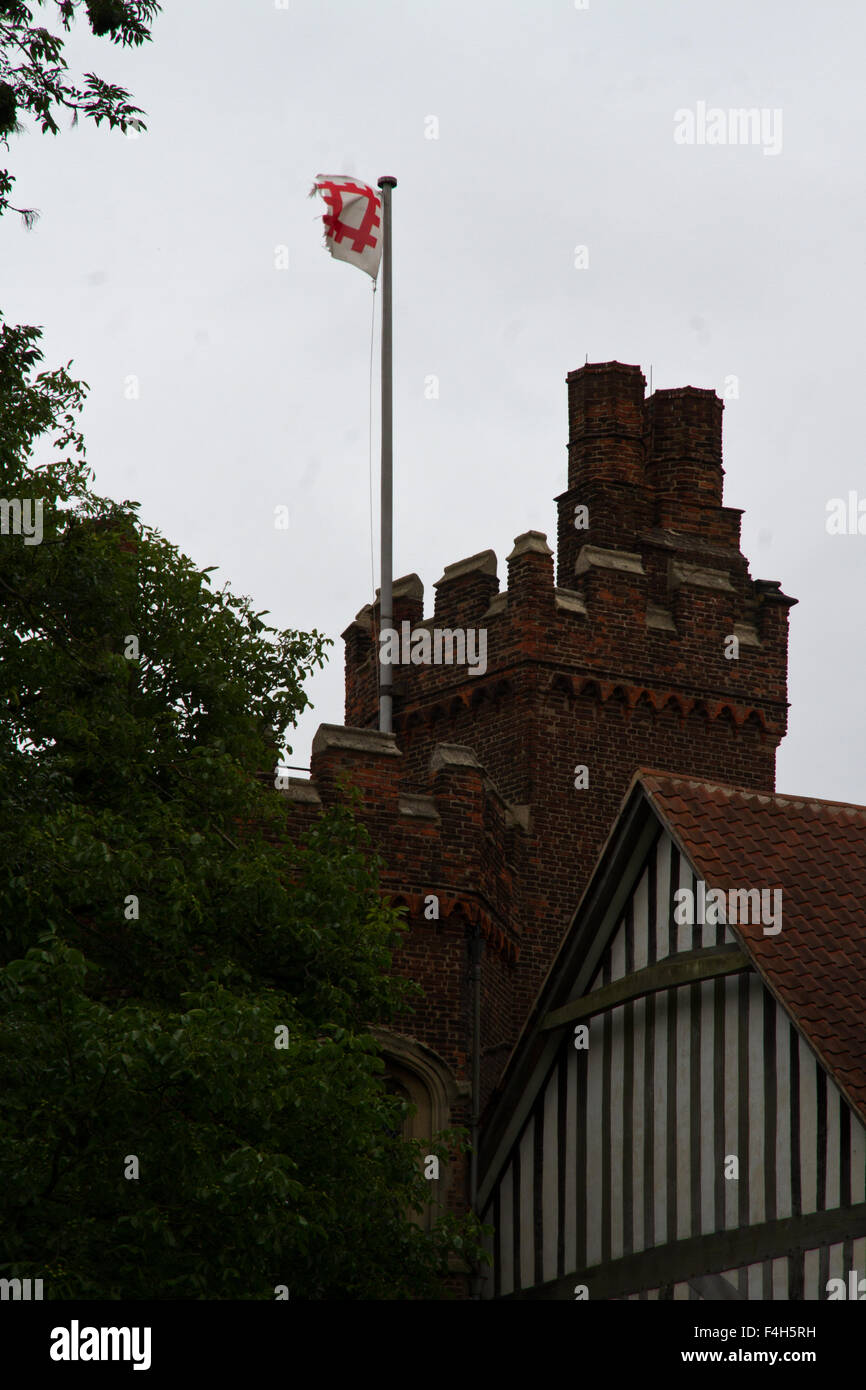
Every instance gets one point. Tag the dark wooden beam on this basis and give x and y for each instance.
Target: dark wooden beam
(707, 963)
(714, 1289)
(686, 1260)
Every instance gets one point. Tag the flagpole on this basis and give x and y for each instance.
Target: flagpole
(386, 183)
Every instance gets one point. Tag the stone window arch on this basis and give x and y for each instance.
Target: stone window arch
(415, 1073)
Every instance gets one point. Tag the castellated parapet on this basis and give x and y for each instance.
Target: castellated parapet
(651, 646)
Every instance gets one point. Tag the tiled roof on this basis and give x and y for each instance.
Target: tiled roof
(815, 851)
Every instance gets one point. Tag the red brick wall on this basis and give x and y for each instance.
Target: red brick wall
(623, 665)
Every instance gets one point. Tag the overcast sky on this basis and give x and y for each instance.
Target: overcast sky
(157, 257)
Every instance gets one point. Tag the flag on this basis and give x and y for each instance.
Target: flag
(353, 222)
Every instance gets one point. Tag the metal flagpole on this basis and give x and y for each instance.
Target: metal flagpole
(386, 183)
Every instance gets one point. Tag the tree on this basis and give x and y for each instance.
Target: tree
(34, 77)
(160, 940)
(192, 1105)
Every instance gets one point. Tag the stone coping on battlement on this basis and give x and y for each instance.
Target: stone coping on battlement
(680, 572)
(570, 601)
(659, 618)
(300, 789)
(419, 807)
(452, 755)
(482, 563)
(530, 543)
(598, 557)
(407, 586)
(498, 604)
(372, 742)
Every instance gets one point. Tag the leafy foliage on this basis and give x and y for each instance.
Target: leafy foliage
(156, 928)
(34, 75)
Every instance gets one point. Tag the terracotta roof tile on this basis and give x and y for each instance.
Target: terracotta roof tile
(815, 851)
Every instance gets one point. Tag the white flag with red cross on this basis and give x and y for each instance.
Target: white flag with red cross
(353, 222)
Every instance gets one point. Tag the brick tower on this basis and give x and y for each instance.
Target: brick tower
(493, 797)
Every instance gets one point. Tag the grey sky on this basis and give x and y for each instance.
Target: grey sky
(156, 257)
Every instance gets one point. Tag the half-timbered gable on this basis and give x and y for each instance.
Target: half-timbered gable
(684, 1116)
